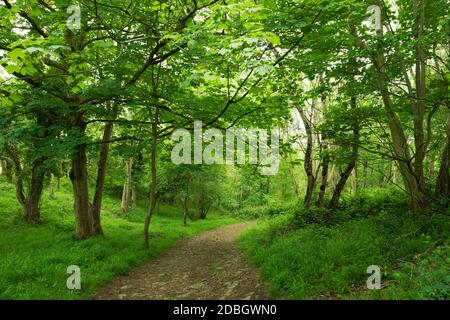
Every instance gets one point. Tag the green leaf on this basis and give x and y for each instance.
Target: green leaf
(273, 38)
(16, 54)
(12, 68)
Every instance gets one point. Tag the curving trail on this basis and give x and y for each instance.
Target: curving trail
(207, 266)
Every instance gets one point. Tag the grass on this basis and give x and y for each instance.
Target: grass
(330, 262)
(34, 258)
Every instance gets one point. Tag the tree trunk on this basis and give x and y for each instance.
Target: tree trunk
(32, 213)
(133, 197)
(418, 107)
(332, 176)
(152, 204)
(126, 193)
(14, 160)
(78, 175)
(124, 197)
(323, 184)
(443, 178)
(417, 198)
(186, 200)
(61, 169)
(325, 161)
(394, 175)
(354, 181)
(308, 162)
(185, 209)
(100, 183)
(348, 170)
(340, 186)
(29, 204)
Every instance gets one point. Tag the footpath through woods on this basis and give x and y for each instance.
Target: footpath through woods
(208, 266)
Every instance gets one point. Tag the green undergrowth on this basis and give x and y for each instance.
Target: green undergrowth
(301, 258)
(34, 258)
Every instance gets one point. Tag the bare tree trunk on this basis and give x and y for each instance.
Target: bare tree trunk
(443, 178)
(126, 194)
(14, 160)
(78, 175)
(153, 170)
(340, 186)
(323, 185)
(354, 181)
(30, 203)
(185, 209)
(101, 175)
(325, 161)
(308, 162)
(332, 177)
(32, 213)
(350, 167)
(394, 175)
(186, 200)
(133, 197)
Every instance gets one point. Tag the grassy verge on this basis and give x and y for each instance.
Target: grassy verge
(34, 258)
(330, 262)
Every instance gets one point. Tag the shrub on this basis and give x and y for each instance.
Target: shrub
(330, 261)
(267, 210)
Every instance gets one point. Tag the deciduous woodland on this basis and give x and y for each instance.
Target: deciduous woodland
(93, 92)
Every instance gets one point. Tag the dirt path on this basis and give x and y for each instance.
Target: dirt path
(207, 266)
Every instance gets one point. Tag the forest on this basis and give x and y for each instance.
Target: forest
(225, 149)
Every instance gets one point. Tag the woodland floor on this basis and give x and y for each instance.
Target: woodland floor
(208, 266)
